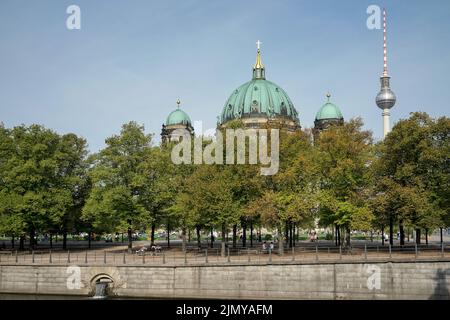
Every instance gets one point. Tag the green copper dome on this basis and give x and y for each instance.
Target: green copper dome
(329, 111)
(258, 98)
(178, 117)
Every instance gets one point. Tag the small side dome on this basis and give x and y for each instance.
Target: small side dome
(329, 111)
(178, 117)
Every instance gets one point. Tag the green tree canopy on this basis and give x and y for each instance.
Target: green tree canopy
(116, 201)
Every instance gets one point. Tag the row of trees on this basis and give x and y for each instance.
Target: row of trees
(43, 182)
(49, 184)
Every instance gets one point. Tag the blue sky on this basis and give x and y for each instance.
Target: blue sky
(132, 59)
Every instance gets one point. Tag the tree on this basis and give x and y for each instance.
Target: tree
(208, 200)
(272, 206)
(412, 170)
(73, 177)
(158, 182)
(437, 159)
(245, 183)
(289, 197)
(297, 180)
(343, 157)
(115, 201)
(40, 179)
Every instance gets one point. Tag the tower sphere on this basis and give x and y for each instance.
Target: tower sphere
(386, 97)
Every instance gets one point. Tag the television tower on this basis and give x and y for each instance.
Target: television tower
(386, 98)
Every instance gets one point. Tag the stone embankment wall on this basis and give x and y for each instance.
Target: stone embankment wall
(388, 280)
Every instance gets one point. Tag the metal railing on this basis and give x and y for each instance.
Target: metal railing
(303, 254)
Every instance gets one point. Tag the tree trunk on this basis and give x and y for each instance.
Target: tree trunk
(286, 233)
(183, 236)
(130, 239)
(295, 238)
(260, 235)
(280, 242)
(418, 236)
(51, 240)
(64, 240)
(32, 234)
(89, 239)
(407, 232)
(152, 235)
(13, 240)
(223, 241)
(122, 237)
(347, 237)
(168, 234)
(251, 233)
(339, 235)
(382, 235)
(291, 236)
(22, 242)
(212, 238)
(244, 234)
(402, 233)
(189, 235)
(426, 237)
(234, 235)
(442, 238)
(199, 244)
(391, 231)
(336, 235)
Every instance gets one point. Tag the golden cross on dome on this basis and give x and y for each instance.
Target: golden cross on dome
(258, 45)
(258, 64)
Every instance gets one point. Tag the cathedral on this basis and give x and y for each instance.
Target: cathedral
(258, 103)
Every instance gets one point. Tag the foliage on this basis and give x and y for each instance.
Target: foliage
(42, 179)
(411, 173)
(339, 178)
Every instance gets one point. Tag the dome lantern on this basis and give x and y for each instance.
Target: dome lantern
(259, 71)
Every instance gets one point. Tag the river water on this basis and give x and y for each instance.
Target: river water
(13, 296)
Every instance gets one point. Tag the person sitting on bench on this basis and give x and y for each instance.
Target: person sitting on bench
(156, 248)
(141, 250)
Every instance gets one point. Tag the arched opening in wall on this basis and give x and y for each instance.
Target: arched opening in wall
(102, 286)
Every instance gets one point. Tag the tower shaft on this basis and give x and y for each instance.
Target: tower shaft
(386, 122)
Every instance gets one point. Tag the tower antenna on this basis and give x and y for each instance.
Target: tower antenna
(385, 69)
